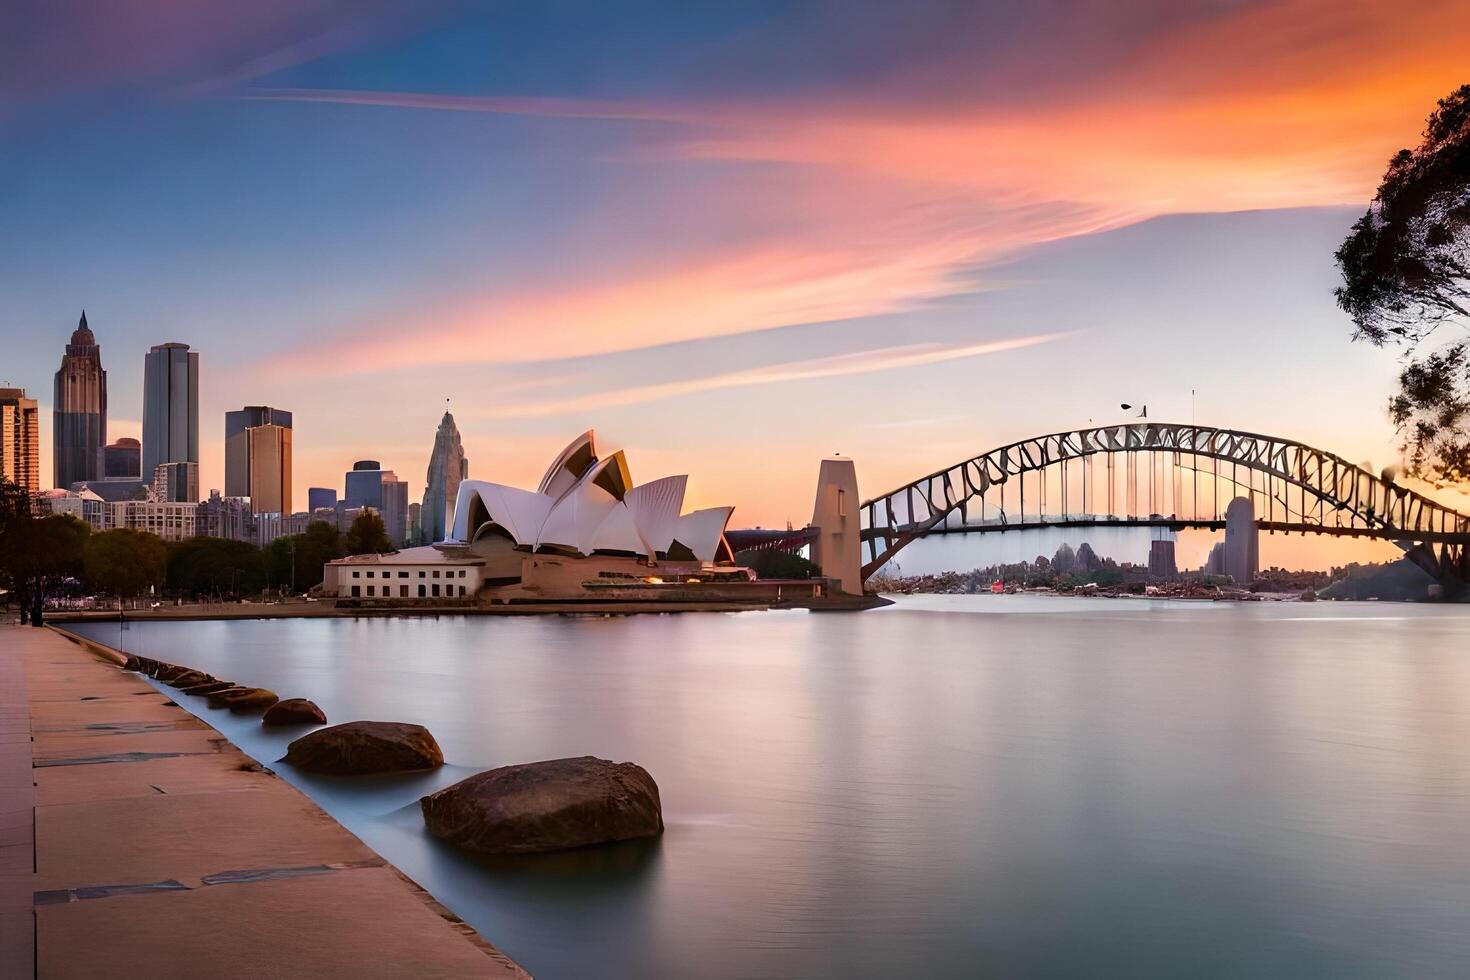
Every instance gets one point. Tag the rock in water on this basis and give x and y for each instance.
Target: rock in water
(546, 806)
(254, 701)
(186, 677)
(363, 747)
(294, 711)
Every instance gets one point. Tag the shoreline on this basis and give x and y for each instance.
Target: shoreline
(155, 842)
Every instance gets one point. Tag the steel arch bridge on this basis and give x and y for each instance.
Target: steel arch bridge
(1157, 474)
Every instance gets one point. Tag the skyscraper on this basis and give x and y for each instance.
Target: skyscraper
(20, 439)
(1242, 541)
(447, 467)
(123, 458)
(320, 497)
(369, 485)
(79, 409)
(170, 407)
(258, 458)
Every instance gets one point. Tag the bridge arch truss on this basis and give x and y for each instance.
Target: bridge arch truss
(1152, 474)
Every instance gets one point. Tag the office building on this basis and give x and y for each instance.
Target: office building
(1242, 541)
(20, 439)
(447, 467)
(269, 461)
(79, 410)
(121, 460)
(170, 407)
(240, 447)
(319, 498)
(175, 483)
(171, 520)
(1161, 563)
(369, 485)
(226, 517)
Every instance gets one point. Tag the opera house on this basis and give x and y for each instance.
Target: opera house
(586, 533)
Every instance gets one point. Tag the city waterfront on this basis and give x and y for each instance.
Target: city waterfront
(951, 786)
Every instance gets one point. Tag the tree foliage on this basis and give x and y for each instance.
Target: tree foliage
(1406, 283)
(214, 567)
(37, 554)
(772, 563)
(367, 535)
(124, 562)
(308, 552)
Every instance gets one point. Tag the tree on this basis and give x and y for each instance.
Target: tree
(309, 551)
(773, 563)
(367, 535)
(125, 562)
(214, 566)
(37, 553)
(1406, 274)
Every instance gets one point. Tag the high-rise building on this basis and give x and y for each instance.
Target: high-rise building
(1215, 563)
(447, 467)
(258, 458)
(176, 483)
(79, 410)
(369, 485)
(1161, 563)
(415, 524)
(122, 460)
(318, 498)
(226, 517)
(20, 439)
(170, 406)
(1242, 541)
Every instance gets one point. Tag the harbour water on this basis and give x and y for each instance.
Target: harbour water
(953, 786)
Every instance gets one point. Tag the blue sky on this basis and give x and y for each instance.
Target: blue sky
(732, 237)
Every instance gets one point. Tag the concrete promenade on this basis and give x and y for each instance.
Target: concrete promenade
(135, 840)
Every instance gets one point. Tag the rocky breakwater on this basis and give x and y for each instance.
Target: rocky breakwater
(546, 806)
(359, 748)
(239, 698)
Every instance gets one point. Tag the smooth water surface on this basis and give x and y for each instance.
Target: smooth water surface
(954, 786)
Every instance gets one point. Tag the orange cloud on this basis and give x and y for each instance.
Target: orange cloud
(1291, 104)
(861, 362)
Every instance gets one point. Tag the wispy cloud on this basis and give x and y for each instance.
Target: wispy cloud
(861, 362)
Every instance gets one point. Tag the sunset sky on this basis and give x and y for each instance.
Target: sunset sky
(733, 237)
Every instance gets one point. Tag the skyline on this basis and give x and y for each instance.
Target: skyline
(927, 242)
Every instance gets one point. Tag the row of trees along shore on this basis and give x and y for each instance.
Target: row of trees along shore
(59, 556)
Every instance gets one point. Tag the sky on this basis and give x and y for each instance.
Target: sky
(732, 237)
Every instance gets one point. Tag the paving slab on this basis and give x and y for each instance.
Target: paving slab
(135, 840)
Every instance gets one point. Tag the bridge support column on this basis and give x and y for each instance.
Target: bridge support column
(837, 515)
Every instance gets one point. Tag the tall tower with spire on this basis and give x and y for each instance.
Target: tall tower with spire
(447, 466)
(79, 410)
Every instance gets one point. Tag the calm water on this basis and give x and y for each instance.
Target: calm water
(956, 786)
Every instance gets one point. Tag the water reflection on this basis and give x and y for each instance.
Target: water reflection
(956, 786)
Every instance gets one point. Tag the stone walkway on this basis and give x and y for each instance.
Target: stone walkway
(150, 846)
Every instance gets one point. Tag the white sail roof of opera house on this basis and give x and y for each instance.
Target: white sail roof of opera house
(586, 504)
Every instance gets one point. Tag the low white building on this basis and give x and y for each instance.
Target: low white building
(413, 573)
(170, 520)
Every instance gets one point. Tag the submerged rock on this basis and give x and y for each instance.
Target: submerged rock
(294, 711)
(243, 699)
(212, 687)
(363, 747)
(186, 677)
(546, 806)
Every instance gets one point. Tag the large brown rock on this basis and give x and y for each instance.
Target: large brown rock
(243, 699)
(546, 806)
(253, 702)
(186, 677)
(294, 711)
(363, 747)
